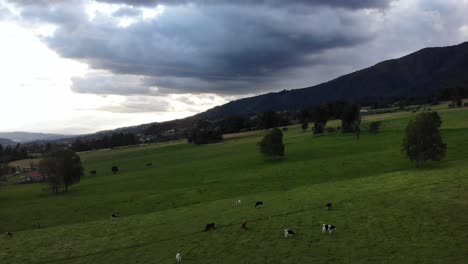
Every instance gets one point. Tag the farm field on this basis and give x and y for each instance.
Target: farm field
(386, 210)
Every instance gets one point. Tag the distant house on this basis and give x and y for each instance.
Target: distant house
(32, 177)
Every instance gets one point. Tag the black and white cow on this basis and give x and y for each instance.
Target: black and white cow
(237, 202)
(210, 226)
(178, 258)
(258, 204)
(288, 233)
(114, 217)
(9, 235)
(329, 206)
(328, 227)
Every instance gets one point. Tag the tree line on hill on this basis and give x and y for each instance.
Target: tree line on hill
(107, 141)
(9, 153)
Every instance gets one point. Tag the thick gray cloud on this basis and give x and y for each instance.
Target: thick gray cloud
(107, 83)
(210, 48)
(274, 3)
(239, 47)
(139, 104)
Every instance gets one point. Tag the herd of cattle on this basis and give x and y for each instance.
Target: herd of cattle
(287, 232)
(211, 226)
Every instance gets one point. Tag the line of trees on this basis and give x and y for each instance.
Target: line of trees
(106, 141)
(319, 115)
(9, 153)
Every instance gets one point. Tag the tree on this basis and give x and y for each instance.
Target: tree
(272, 144)
(320, 116)
(422, 140)
(115, 169)
(268, 119)
(62, 168)
(350, 118)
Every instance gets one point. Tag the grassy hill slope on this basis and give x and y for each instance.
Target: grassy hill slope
(387, 211)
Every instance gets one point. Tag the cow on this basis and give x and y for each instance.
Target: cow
(210, 226)
(114, 217)
(329, 206)
(237, 202)
(288, 233)
(328, 227)
(93, 172)
(149, 164)
(258, 204)
(9, 235)
(244, 225)
(178, 258)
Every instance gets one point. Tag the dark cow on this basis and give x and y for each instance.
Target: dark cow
(149, 164)
(210, 226)
(288, 233)
(244, 225)
(258, 204)
(329, 206)
(114, 216)
(9, 235)
(93, 172)
(328, 227)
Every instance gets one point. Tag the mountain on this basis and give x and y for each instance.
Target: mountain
(7, 142)
(24, 137)
(422, 73)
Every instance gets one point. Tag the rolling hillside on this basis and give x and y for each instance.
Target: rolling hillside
(421, 73)
(386, 210)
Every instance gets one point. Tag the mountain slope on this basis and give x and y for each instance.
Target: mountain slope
(6, 142)
(23, 137)
(421, 73)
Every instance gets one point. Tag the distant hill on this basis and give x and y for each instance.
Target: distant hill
(421, 73)
(7, 142)
(24, 137)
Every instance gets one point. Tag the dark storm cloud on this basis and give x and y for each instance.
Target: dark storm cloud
(212, 48)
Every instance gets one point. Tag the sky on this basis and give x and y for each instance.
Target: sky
(80, 66)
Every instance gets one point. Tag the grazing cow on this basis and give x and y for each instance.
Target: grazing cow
(149, 164)
(178, 258)
(258, 204)
(244, 225)
(210, 226)
(237, 202)
(114, 217)
(329, 206)
(328, 227)
(288, 233)
(9, 235)
(93, 172)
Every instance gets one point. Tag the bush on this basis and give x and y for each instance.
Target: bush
(272, 144)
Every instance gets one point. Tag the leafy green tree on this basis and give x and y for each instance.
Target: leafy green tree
(422, 140)
(272, 144)
(350, 118)
(62, 168)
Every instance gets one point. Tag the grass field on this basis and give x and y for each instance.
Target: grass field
(386, 210)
